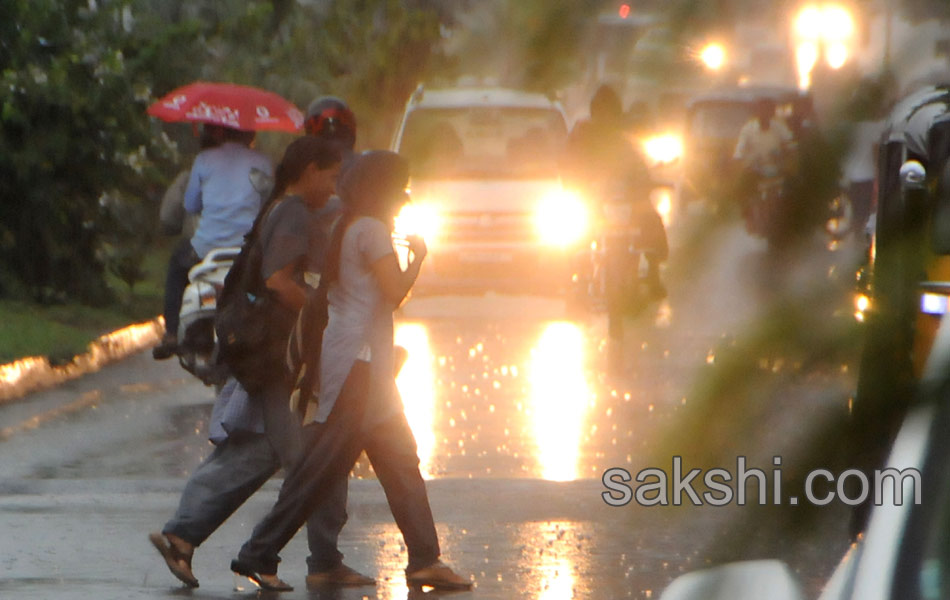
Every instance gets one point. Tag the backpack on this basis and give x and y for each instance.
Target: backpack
(302, 357)
(248, 320)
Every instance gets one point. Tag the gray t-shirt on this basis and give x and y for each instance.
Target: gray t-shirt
(360, 324)
(292, 230)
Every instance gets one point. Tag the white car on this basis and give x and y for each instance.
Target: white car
(486, 192)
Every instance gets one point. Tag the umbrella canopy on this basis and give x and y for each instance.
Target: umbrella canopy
(230, 105)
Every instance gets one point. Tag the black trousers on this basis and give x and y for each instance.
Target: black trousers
(330, 451)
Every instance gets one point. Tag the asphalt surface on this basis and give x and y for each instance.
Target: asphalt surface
(516, 422)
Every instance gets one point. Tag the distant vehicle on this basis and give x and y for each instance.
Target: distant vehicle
(486, 191)
(711, 130)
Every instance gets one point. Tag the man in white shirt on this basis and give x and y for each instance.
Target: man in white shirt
(763, 141)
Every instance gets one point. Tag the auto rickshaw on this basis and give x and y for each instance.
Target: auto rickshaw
(907, 278)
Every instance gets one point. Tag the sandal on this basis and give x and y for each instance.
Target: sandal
(438, 575)
(178, 562)
(265, 581)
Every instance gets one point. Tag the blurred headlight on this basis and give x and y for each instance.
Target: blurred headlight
(418, 219)
(662, 199)
(713, 55)
(862, 303)
(663, 149)
(561, 218)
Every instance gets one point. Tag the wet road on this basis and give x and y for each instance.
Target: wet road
(515, 420)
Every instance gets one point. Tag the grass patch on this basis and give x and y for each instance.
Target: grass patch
(62, 331)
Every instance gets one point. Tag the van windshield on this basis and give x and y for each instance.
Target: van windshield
(482, 142)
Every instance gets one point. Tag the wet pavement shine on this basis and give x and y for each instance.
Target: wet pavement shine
(515, 420)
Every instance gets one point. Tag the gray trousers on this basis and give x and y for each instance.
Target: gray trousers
(240, 465)
(330, 450)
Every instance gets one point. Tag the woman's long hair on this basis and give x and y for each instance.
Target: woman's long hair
(297, 156)
(371, 187)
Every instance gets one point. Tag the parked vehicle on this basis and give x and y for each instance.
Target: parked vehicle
(197, 346)
(486, 190)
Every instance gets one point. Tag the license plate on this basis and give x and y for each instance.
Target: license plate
(485, 257)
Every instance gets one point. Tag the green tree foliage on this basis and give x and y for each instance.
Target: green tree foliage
(82, 166)
(76, 78)
(373, 53)
(534, 45)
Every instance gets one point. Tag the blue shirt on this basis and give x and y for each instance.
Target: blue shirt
(220, 189)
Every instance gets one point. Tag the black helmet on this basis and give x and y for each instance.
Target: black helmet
(329, 117)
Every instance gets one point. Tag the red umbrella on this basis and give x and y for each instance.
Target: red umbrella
(228, 104)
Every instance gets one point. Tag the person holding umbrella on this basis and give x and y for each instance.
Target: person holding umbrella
(221, 191)
(249, 445)
(220, 187)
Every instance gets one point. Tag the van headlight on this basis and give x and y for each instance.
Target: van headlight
(418, 219)
(663, 149)
(561, 218)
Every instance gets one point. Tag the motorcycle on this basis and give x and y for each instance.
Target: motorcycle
(197, 345)
(618, 272)
(762, 214)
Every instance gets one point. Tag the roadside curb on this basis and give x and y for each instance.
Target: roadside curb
(35, 373)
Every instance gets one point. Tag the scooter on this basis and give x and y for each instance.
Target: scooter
(197, 345)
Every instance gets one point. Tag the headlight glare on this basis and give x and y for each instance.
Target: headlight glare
(663, 149)
(561, 218)
(418, 219)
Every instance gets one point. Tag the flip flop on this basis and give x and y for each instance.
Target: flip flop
(178, 562)
(245, 570)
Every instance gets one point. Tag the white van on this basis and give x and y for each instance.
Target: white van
(486, 192)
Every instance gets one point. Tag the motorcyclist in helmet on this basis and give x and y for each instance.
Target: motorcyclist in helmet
(329, 117)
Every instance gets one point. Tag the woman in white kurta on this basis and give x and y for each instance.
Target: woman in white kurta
(360, 409)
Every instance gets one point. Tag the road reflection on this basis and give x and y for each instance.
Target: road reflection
(417, 387)
(508, 399)
(555, 561)
(559, 399)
